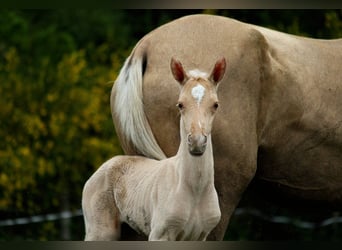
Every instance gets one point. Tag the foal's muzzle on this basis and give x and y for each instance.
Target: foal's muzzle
(197, 144)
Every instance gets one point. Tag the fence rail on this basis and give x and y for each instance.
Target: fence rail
(41, 218)
(287, 220)
(238, 212)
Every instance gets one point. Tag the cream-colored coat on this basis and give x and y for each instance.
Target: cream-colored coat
(155, 198)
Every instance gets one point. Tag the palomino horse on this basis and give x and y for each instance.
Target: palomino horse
(281, 106)
(171, 199)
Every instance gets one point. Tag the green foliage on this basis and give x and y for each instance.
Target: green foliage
(57, 68)
(333, 22)
(55, 122)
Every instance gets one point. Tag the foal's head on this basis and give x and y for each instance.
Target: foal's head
(198, 102)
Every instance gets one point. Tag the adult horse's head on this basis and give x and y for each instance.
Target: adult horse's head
(198, 102)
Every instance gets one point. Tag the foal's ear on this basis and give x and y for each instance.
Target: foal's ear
(178, 71)
(218, 71)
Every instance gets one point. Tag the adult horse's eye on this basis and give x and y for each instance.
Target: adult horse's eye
(216, 105)
(180, 105)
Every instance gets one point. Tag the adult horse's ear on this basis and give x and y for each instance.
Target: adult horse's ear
(218, 71)
(178, 71)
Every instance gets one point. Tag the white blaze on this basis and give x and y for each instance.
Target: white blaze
(198, 92)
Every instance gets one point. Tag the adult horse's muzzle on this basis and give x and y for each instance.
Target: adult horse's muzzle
(197, 144)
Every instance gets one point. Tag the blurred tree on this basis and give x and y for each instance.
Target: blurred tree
(55, 122)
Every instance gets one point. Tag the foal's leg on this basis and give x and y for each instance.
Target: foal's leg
(101, 216)
(162, 230)
(166, 234)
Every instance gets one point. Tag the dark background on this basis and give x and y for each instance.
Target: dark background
(57, 68)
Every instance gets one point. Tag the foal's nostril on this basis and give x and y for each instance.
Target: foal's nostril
(205, 138)
(189, 139)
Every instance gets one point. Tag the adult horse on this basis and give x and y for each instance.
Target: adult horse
(281, 106)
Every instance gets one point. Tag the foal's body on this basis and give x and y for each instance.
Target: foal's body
(171, 199)
(148, 194)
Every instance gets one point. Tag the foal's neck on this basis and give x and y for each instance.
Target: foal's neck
(196, 172)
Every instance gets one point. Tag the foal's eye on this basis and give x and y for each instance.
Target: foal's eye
(216, 105)
(180, 105)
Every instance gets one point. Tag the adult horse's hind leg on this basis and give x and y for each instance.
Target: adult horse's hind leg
(101, 216)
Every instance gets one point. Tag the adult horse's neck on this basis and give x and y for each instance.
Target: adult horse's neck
(195, 172)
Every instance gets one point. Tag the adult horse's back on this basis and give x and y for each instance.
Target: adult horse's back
(281, 106)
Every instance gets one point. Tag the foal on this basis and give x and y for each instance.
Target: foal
(171, 199)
